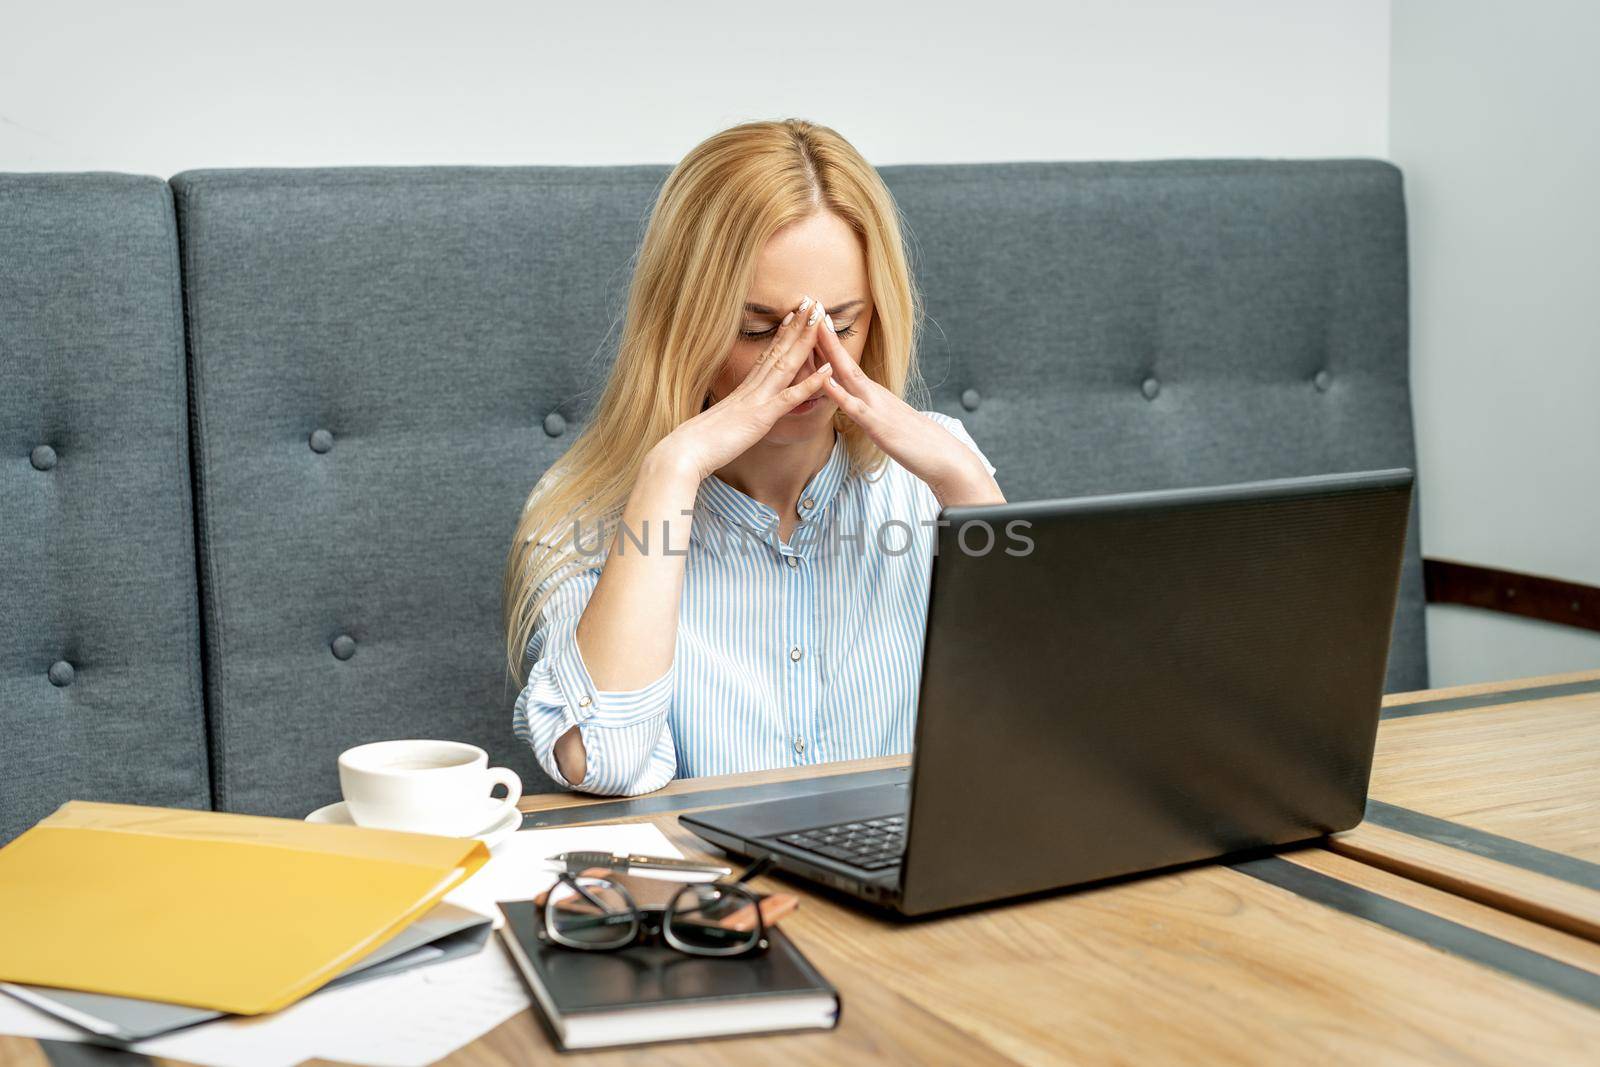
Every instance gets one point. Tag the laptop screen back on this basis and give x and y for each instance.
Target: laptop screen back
(1151, 679)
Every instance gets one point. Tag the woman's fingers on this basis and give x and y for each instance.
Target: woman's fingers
(782, 337)
(803, 389)
(850, 386)
(849, 371)
(788, 328)
(758, 370)
(848, 402)
(800, 340)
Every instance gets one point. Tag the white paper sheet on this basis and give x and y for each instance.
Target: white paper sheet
(519, 870)
(405, 1020)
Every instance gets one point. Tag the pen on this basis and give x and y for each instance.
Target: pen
(577, 861)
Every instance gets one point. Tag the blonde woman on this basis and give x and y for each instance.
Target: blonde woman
(728, 570)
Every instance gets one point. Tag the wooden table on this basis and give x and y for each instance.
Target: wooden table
(1493, 796)
(1380, 945)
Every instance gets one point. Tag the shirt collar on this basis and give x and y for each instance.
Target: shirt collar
(720, 498)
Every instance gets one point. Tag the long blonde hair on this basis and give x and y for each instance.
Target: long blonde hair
(713, 215)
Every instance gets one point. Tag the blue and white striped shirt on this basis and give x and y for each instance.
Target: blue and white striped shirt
(787, 653)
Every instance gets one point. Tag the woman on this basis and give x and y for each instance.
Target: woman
(728, 570)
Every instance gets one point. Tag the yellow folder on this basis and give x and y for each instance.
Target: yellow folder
(237, 913)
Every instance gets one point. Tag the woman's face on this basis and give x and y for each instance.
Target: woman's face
(820, 257)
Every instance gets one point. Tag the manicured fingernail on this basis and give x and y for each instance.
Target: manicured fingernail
(805, 303)
(816, 313)
(787, 319)
(830, 324)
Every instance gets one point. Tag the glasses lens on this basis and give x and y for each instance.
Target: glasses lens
(713, 919)
(593, 913)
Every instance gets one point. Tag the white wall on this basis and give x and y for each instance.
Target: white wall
(157, 87)
(1493, 121)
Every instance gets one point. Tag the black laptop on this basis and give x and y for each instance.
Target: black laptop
(1161, 678)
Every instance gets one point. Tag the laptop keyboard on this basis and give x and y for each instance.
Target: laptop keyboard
(870, 843)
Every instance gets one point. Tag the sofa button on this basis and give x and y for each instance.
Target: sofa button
(321, 441)
(61, 674)
(344, 646)
(1322, 381)
(554, 424)
(1151, 388)
(970, 399)
(43, 457)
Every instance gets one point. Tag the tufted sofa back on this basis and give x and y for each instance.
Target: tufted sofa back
(1109, 327)
(99, 633)
(381, 361)
(384, 361)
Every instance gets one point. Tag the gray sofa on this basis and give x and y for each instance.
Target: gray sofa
(266, 432)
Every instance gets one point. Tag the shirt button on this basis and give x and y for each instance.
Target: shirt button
(795, 653)
(808, 503)
(799, 744)
(583, 702)
(792, 561)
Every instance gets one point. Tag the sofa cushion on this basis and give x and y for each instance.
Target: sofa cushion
(385, 362)
(1107, 327)
(100, 693)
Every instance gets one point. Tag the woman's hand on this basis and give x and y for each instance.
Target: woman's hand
(910, 438)
(724, 431)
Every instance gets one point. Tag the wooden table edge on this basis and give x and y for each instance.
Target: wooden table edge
(28, 1052)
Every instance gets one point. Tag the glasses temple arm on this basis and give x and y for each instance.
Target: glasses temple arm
(755, 870)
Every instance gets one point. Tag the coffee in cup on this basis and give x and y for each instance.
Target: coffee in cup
(428, 787)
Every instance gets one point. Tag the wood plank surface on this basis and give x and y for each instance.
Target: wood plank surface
(1205, 965)
(1208, 964)
(22, 1052)
(1417, 696)
(1528, 771)
(1555, 903)
(1525, 772)
(1533, 935)
(1029, 1003)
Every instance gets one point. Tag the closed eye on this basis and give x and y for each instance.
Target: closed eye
(756, 335)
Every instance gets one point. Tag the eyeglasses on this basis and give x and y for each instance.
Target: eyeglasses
(597, 914)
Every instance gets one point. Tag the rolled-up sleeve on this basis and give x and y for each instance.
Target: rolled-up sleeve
(627, 741)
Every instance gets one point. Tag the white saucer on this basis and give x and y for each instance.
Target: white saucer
(337, 814)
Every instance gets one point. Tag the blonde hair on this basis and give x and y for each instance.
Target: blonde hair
(712, 217)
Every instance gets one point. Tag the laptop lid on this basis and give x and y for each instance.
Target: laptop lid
(1121, 683)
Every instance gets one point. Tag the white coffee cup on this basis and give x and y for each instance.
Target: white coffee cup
(427, 787)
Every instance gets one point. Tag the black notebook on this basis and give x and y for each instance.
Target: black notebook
(655, 993)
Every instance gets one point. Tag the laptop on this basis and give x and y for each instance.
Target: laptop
(1159, 678)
